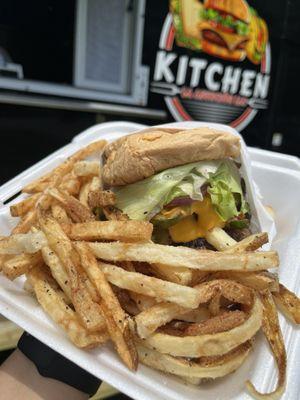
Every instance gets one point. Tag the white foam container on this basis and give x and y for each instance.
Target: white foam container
(278, 177)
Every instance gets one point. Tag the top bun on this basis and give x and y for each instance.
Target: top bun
(138, 156)
(238, 8)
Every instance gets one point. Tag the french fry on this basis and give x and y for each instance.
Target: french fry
(70, 184)
(206, 367)
(84, 193)
(101, 198)
(87, 168)
(125, 300)
(272, 331)
(250, 243)
(115, 318)
(209, 344)
(76, 210)
(220, 323)
(255, 280)
(59, 213)
(57, 270)
(223, 322)
(153, 287)
(39, 186)
(87, 309)
(160, 314)
(26, 222)
(61, 313)
(23, 242)
(23, 207)
(55, 176)
(157, 315)
(3, 258)
(215, 304)
(64, 297)
(96, 183)
(131, 231)
(30, 219)
(288, 303)
(200, 314)
(223, 242)
(185, 257)
(143, 302)
(182, 276)
(198, 276)
(218, 238)
(231, 290)
(18, 265)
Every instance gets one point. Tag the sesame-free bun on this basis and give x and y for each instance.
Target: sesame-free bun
(238, 8)
(138, 156)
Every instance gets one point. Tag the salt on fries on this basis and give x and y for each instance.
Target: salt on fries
(61, 313)
(154, 287)
(116, 319)
(190, 313)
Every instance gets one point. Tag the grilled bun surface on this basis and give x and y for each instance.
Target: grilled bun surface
(140, 155)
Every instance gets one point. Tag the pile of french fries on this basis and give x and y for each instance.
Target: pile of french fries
(190, 313)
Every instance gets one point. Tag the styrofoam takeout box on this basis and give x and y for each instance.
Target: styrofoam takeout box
(279, 181)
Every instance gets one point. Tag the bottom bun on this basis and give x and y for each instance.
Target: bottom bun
(222, 52)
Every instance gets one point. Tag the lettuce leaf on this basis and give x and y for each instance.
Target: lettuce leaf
(191, 184)
(143, 199)
(226, 192)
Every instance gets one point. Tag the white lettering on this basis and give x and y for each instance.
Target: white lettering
(212, 69)
(216, 76)
(162, 66)
(247, 82)
(197, 66)
(231, 80)
(261, 86)
(182, 67)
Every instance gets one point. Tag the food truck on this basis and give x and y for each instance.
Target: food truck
(228, 62)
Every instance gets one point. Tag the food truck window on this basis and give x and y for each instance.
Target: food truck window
(104, 42)
(84, 49)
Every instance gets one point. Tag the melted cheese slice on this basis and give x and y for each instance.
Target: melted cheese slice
(232, 40)
(203, 219)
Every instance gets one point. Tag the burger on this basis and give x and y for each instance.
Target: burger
(185, 182)
(225, 28)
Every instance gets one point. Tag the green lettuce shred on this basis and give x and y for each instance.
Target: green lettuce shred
(226, 191)
(144, 199)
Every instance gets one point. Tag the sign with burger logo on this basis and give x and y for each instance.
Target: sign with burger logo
(213, 62)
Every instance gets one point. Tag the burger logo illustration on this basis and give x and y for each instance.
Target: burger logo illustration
(224, 75)
(228, 29)
(225, 29)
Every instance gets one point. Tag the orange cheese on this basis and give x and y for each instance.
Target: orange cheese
(203, 219)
